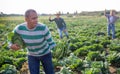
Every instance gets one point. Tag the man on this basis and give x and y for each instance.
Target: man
(38, 41)
(61, 25)
(112, 18)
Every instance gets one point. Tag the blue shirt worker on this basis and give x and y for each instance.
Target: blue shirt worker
(111, 18)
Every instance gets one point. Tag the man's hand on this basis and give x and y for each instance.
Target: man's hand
(50, 18)
(105, 12)
(15, 47)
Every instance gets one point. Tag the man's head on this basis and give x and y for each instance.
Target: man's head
(27, 13)
(112, 12)
(57, 14)
(31, 18)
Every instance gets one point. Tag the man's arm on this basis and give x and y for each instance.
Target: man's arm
(51, 19)
(49, 39)
(11, 40)
(13, 46)
(64, 23)
(105, 12)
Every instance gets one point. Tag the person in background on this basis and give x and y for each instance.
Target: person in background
(61, 25)
(111, 18)
(38, 41)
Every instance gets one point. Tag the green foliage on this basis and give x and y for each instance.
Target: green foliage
(19, 54)
(93, 71)
(73, 62)
(61, 50)
(8, 60)
(56, 63)
(65, 70)
(115, 45)
(84, 38)
(118, 71)
(13, 58)
(96, 47)
(19, 62)
(114, 59)
(97, 64)
(1, 60)
(8, 69)
(105, 43)
(72, 47)
(94, 56)
(81, 52)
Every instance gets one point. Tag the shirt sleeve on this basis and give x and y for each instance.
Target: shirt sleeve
(64, 23)
(107, 15)
(52, 20)
(49, 39)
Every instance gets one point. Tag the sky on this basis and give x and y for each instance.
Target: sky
(53, 6)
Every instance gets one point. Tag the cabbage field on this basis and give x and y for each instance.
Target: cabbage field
(87, 51)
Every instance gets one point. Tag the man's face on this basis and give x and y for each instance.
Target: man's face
(58, 16)
(32, 19)
(114, 12)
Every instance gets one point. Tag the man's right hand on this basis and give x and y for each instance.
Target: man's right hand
(105, 12)
(15, 47)
(50, 17)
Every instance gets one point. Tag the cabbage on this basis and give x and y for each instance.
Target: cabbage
(16, 39)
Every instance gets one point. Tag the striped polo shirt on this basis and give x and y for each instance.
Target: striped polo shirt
(38, 40)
